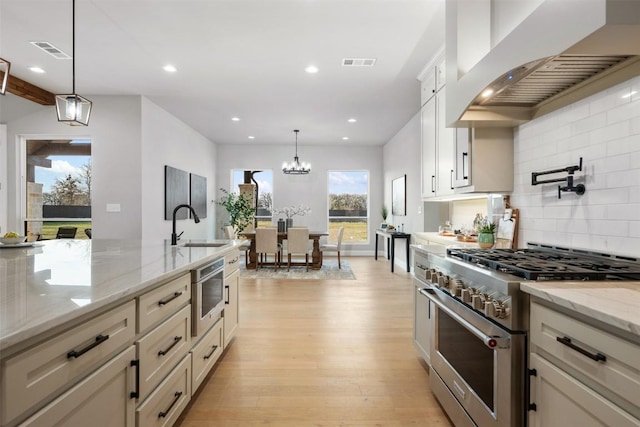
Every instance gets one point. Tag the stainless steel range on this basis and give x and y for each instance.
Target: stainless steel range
(479, 324)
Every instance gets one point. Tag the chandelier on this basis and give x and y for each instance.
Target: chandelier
(295, 167)
(72, 108)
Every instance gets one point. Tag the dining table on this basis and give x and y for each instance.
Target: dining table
(316, 254)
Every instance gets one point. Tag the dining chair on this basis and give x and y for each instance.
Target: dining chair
(66, 233)
(331, 247)
(298, 244)
(230, 234)
(267, 243)
(88, 232)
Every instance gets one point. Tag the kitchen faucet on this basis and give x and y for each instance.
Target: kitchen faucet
(174, 236)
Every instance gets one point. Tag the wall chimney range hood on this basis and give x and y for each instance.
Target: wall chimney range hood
(553, 58)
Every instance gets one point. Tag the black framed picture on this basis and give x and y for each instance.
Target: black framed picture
(398, 196)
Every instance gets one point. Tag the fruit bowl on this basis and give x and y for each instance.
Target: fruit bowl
(12, 240)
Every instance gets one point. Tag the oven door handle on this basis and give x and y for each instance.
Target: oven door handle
(493, 342)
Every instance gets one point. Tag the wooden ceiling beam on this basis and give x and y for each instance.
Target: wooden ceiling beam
(79, 149)
(28, 91)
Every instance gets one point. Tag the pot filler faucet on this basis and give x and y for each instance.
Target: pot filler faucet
(196, 219)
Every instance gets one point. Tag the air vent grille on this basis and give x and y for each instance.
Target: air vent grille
(51, 50)
(358, 62)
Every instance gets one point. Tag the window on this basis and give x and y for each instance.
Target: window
(349, 205)
(265, 193)
(58, 186)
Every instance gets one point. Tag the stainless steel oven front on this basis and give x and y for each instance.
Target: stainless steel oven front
(478, 367)
(207, 296)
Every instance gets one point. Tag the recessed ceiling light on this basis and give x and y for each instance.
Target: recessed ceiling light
(37, 70)
(311, 69)
(352, 120)
(487, 92)
(235, 119)
(252, 137)
(170, 68)
(345, 137)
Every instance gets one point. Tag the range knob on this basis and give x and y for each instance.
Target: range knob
(456, 287)
(433, 278)
(465, 295)
(489, 309)
(477, 301)
(500, 311)
(443, 281)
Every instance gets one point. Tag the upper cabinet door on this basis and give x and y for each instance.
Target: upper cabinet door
(462, 155)
(429, 149)
(428, 86)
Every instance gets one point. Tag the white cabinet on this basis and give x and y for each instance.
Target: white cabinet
(101, 399)
(205, 354)
(423, 309)
(231, 312)
(45, 370)
(581, 374)
(437, 149)
(483, 160)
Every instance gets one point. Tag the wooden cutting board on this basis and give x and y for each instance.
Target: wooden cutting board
(507, 234)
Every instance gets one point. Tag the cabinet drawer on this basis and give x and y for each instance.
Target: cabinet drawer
(205, 354)
(619, 373)
(162, 348)
(167, 402)
(562, 400)
(100, 399)
(46, 369)
(161, 302)
(231, 262)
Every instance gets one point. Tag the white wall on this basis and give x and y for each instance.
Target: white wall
(605, 130)
(132, 140)
(401, 155)
(168, 141)
(309, 190)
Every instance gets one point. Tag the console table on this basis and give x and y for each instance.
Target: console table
(391, 244)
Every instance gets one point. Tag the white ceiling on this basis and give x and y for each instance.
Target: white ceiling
(243, 58)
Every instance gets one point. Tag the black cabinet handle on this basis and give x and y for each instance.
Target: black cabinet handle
(77, 353)
(167, 300)
(452, 179)
(233, 261)
(465, 175)
(213, 350)
(598, 357)
(176, 340)
(226, 297)
(176, 397)
(433, 183)
(136, 394)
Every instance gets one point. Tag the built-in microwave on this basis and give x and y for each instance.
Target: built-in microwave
(207, 296)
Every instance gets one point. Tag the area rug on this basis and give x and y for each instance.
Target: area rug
(329, 271)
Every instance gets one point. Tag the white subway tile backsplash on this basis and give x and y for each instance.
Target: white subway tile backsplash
(605, 130)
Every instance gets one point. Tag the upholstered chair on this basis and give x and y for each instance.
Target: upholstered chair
(331, 247)
(298, 244)
(267, 243)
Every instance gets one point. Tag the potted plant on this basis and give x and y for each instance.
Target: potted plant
(384, 212)
(240, 209)
(486, 230)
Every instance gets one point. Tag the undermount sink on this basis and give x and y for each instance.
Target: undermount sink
(204, 244)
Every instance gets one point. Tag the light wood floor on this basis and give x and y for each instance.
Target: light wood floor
(321, 353)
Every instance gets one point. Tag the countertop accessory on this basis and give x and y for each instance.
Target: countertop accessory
(12, 240)
(174, 236)
(578, 189)
(72, 108)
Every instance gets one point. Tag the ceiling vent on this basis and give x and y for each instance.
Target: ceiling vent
(51, 50)
(358, 62)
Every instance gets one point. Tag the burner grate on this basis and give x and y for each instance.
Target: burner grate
(534, 264)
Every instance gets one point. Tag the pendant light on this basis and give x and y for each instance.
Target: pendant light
(295, 167)
(5, 66)
(73, 109)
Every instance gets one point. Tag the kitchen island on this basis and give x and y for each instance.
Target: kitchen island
(79, 319)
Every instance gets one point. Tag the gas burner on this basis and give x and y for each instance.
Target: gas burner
(551, 263)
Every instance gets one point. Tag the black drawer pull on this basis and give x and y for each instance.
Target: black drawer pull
(99, 340)
(167, 300)
(136, 394)
(598, 357)
(176, 397)
(213, 350)
(233, 261)
(176, 340)
(226, 297)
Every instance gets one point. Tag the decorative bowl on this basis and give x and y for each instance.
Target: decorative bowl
(13, 240)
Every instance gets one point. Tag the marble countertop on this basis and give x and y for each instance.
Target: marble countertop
(56, 281)
(430, 249)
(435, 237)
(614, 303)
